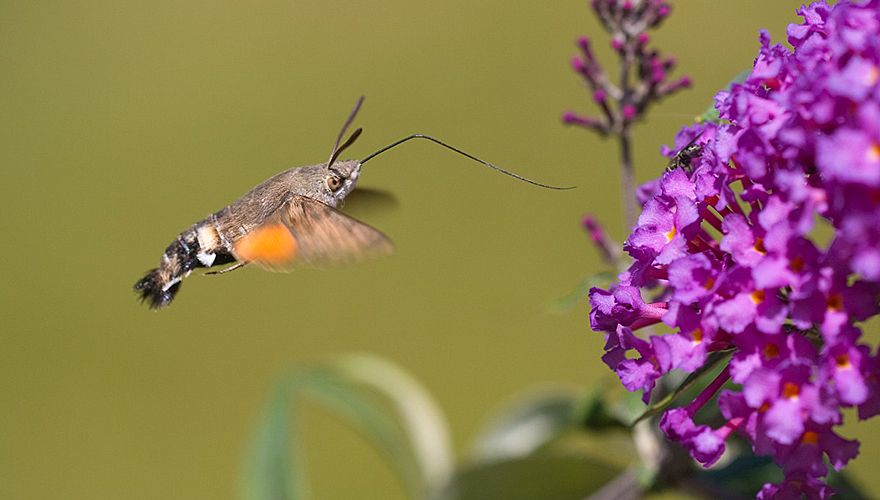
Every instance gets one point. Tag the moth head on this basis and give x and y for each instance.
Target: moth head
(341, 178)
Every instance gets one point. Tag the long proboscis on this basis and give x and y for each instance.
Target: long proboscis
(465, 154)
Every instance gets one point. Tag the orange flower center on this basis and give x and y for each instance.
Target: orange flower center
(842, 362)
(810, 437)
(670, 234)
(874, 153)
(771, 351)
(759, 246)
(790, 391)
(757, 296)
(835, 302)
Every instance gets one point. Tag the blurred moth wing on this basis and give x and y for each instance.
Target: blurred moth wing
(304, 231)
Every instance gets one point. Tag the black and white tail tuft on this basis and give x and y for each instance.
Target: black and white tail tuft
(157, 289)
(160, 285)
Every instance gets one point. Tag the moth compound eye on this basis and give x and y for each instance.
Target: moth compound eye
(334, 182)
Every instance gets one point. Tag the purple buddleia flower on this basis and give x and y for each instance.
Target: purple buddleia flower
(726, 252)
(796, 487)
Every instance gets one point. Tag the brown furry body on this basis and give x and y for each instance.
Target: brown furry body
(210, 242)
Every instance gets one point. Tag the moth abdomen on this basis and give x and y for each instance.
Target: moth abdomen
(160, 285)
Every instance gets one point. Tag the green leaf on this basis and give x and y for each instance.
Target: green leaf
(711, 362)
(381, 401)
(745, 475)
(269, 465)
(372, 420)
(580, 292)
(418, 413)
(524, 426)
(596, 413)
(711, 115)
(544, 477)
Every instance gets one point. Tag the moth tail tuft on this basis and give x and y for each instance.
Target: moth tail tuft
(155, 289)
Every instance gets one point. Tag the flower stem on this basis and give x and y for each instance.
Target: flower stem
(627, 169)
(627, 173)
(709, 391)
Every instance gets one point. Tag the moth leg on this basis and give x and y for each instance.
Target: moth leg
(228, 269)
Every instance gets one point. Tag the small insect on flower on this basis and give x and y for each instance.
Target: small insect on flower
(290, 219)
(685, 155)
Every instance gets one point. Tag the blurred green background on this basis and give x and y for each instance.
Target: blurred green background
(124, 122)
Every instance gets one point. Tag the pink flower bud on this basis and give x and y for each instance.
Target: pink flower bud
(584, 43)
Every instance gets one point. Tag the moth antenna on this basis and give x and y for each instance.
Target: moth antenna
(337, 150)
(465, 154)
(353, 137)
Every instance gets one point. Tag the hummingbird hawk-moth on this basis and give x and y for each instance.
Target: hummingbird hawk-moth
(290, 219)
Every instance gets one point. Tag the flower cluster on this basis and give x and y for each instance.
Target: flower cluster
(767, 247)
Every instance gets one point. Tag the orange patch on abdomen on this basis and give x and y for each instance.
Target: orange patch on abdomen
(271, 244)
